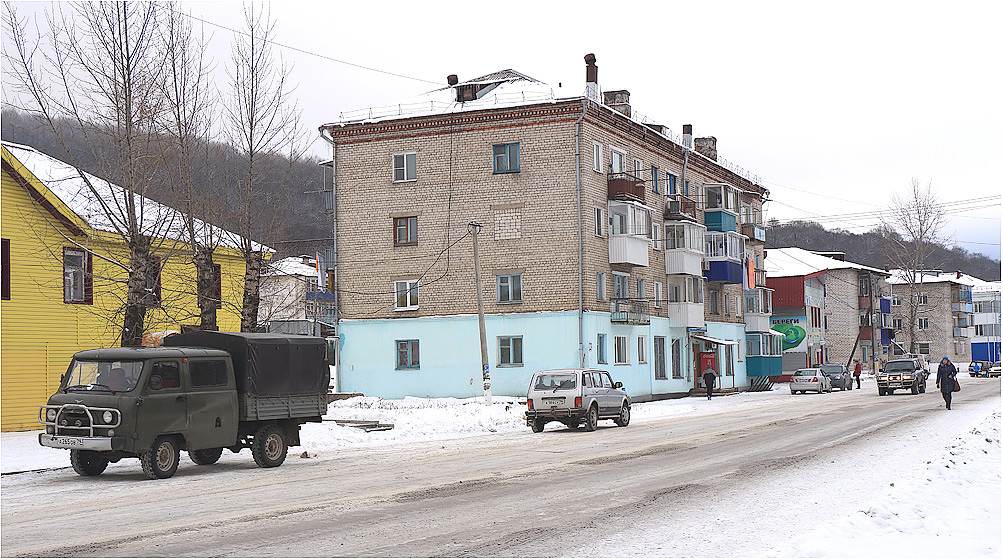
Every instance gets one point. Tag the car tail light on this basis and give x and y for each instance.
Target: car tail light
(815, 380)
(529, 403)
(578, 402)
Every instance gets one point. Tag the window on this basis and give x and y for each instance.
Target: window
(738, 306)
(654, 179)
(618, 161)
(601, 348)
(77, 287)
(729, 365)
(208, 373)
(620, 350)
(638, 168)
(923, 323)
(406, 167)
(658, 294)
(599, 222)
(601, 286)
(677, 358)
(865, 286)
(5, 268)
(714, 307)
(923, 299)
(153, 285)
(656, 235)
(640, 288)
(510, 351)
(407, 354)
(619, 286)
(924, 347)
(597, 157)
(509, 288)
(407, 294)
(896, 300)
(686, 187)
(670, 180)
(642, 350)
(897, 323)
(727, 307)
(406, 231)
(660, 357)
(165, 375)
(506, 157)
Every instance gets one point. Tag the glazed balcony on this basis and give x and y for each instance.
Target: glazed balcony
(624, 186)
(760, 278)
(757, 322)
(629, 312)
(685, 314)
(683, 261)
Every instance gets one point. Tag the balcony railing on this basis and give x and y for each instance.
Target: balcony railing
(630, 312)
(960, 332)
(760, 278)
(624, 186)
(680, 207)
(755, 232)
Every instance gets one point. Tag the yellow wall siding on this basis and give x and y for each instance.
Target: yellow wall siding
(39, 333)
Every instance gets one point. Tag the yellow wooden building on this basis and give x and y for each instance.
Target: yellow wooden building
(63, 284)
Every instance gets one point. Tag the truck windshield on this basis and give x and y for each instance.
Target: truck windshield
(551, 381)
(900, 366)
(114, 375)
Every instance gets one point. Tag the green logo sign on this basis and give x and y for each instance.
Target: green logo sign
(793, 335)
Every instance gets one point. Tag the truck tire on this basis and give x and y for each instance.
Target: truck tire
(538, 425)
(624, 417)
(87, 463)
(881, 392)
(269, 447)
(161, 461)
(915, 388)
(205, 456)
(592, 419)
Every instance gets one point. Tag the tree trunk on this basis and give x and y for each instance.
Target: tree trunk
(206, 287)
(252, 297)
(136, 300)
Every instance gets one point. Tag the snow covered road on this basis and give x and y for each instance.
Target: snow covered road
(736, 476)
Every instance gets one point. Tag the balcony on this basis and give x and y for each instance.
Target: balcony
(720, 220)
(723, 271)
(685, 314)
(624, 186)
(755, 232)
(683, 261)
(961, 307)
(628, 249)
(680, 207)
(760, 278)
(887, 335)
(960, 332)
(757, 322)
(630, 312)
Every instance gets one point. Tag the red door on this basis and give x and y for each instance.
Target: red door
(706, 359)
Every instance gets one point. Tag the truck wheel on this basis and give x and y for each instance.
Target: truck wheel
(538, 425)
(161, 461)
(269, 446)
(915, 388)
(624, 417)
(881, 392)
(592, 419)
(205, 456)
(87, 463)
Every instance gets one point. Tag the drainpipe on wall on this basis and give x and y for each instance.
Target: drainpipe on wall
(578, 189)
(334, 247)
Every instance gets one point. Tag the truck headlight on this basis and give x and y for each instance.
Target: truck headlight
(50, 415)
(107, 417)
(882, 377)
(906, 377)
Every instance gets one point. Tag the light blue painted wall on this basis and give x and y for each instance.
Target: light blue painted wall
(733, 331)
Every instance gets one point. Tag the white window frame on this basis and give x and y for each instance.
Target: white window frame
(597, 157)
(612, 159)
(600, 286)
(658, 294)
(640, 288)
(620, 344)
(923, 323)
(642, 349)
(626, 287)
(74, 274)
(403, 169)
(638, 168)
(510, 284)
(411, 292)
(511, 351)
(600, 227)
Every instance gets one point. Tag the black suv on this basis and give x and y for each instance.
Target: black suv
(904, 373)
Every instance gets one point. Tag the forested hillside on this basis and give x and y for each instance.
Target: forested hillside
(868, 248)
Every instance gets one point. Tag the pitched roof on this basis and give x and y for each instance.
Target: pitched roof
(64, 182)
(290, 266)
(900, 276)
(795, 261)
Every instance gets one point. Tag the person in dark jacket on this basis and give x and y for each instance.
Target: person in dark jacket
(856, 372)
(709, 378)
(946, 374)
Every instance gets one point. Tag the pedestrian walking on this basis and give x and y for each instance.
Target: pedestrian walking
(709, 378)
(947, 376)
(856, 372)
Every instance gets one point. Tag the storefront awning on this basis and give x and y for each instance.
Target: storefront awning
(715, 340)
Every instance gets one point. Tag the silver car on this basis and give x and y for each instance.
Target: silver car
(573, 396)
(838, 375)
(810, 379)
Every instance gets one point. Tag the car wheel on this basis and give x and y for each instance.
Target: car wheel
(161, 461)
(269, 446)
(881, 392)
(205, 456)
(592, 419)
(87, 463)
(793, 392)
(538, 425)
(624, 417)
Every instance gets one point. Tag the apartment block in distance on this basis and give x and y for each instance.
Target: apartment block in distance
(935, 313)
(605, 240)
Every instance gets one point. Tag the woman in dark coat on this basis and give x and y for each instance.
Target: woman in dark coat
(946, 374)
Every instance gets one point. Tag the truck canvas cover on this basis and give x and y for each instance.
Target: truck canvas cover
(268, 364)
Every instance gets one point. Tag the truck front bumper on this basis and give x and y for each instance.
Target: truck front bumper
(82, 442)
(554, 414)
(897, 384)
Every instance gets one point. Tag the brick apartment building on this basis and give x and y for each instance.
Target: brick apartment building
(941, 308)
(829, 300)
(606, 241)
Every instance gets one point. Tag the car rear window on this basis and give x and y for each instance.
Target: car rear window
(832, 369)
(900, 366)
(555, 381)
(803, 372)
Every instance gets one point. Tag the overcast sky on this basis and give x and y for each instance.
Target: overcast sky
(835, 106)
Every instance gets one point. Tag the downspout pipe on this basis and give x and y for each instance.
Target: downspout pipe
(581, 250)
(334, 245)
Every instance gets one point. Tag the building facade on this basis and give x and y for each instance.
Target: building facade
(986, 321)
(292, 298)
(935, 312)
(604, 241)
(58, 297)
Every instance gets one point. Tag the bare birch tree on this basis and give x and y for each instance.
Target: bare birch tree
(100, 64)
(263, 126)
(912, 232)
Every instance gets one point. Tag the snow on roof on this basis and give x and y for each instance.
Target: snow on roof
(900, 276)
(290, 266)
(63, 180)
(794, 261)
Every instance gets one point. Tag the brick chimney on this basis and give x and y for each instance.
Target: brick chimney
(618, 100)
(688, 135)
(452, 79)
(591, 78)
(707, 147)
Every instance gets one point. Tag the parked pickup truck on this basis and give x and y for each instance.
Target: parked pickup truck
(201, 392)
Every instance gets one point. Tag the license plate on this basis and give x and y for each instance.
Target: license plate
(554, 400)
(69, 441)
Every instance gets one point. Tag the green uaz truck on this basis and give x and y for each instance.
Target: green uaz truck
(200, 392)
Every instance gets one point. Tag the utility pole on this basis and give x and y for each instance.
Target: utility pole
(475, 228)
